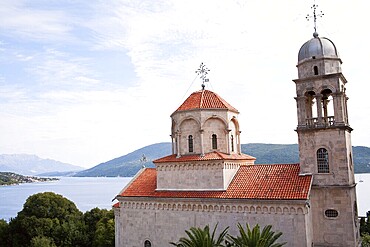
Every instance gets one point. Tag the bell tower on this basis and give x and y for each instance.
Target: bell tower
(324, 137)
(324, 133)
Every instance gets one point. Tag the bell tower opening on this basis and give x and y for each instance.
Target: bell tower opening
(327, 107)
(311, 109)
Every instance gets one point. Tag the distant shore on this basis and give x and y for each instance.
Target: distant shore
(9, 178)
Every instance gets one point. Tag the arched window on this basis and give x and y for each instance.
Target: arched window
(322, 160)
(214, 141)
(190, 144)
(147, 243)
(328, 107)
(232, 143)
(315, 70)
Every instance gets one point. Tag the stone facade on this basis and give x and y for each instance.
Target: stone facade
(196, 176)
(334, 231)
(164, 221)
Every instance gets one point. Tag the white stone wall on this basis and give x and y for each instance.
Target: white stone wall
(189, 127)
(200, 175)
(338, 144)
(164, 221)
(215, 126)
(334, 231)
(324, 65)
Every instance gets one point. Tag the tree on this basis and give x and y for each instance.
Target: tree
(100, 227)
(4, 233)
(51, 216)
(198, 237)
(365, 240)
(104, 234)
(255, 238)
(42, 241)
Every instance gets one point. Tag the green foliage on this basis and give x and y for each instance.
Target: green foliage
(365, 224)
(365, 230)
(198, 237)
(100, 227)
(42, 241)
(104, 234)
(365, 240)
(49, 205)
(255, 238)
(49, 220)
(4, 232)
(50, 216)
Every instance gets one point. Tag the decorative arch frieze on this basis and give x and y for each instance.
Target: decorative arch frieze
(223, 208)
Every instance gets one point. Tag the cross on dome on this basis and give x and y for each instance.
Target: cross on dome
(203, 71)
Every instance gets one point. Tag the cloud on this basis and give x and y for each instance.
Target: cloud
(20, 19)
(97, 77)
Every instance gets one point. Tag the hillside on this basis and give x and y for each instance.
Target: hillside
(26, 164)
(128, 165)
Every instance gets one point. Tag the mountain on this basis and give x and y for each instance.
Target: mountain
(27, 164)
(128, 165)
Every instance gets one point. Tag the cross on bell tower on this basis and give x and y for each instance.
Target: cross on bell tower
(314, 16)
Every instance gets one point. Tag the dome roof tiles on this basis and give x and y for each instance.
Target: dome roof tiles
(205, 99)
(265, 182)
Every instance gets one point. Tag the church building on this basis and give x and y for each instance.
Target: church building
(207, 180)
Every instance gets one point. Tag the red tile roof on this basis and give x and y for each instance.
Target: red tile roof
(205, 99)
(251, 182)
(207, 156)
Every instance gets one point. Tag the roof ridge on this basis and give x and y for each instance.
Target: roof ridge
(201, 99)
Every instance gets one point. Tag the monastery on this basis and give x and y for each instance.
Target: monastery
(208, 180)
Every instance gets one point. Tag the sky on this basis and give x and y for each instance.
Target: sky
(86, 81)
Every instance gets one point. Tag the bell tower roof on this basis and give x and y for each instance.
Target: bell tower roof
(317, 47)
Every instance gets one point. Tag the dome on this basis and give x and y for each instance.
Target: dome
(205, 99)
(317, 47)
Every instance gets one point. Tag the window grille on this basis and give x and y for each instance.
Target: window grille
(322, 161)
(331, 213)
(191, 144)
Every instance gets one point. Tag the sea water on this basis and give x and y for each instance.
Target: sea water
(88, 193)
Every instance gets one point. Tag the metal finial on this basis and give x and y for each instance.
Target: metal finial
(315, 16)
(203, 71)
(143, 160)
